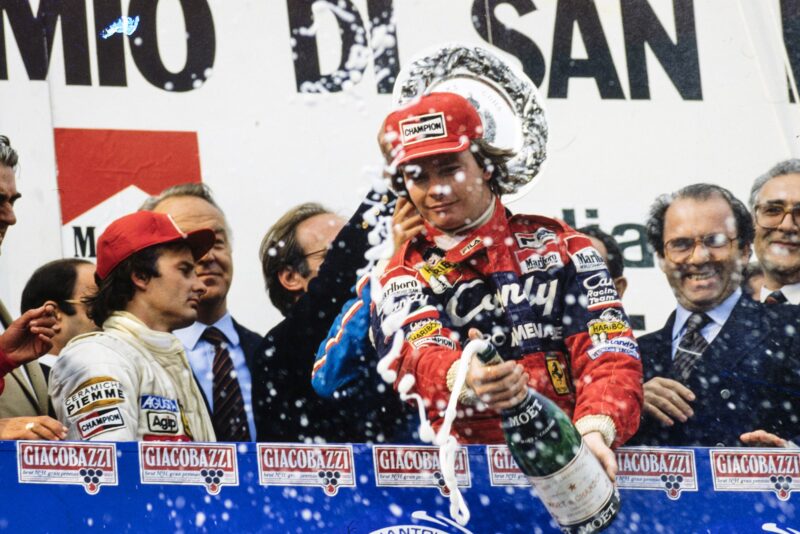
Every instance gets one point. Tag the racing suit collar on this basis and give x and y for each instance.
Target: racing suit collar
(492, 227)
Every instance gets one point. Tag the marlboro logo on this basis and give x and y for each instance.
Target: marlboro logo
(503, 470)
(328, 466)
(90, 465)
(756, 470)
(211, 466)
(669, 470)
(416, 467)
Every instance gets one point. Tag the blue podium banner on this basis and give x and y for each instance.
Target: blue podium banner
(360, 489)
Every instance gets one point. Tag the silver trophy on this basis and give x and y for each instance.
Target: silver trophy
(507, 100)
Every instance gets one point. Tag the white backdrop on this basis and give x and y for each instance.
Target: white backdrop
(264, 146)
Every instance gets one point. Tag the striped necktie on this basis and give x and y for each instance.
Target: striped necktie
(776, 297)
(229, 417)
(690, 347)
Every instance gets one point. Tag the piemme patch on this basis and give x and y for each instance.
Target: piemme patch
(416, 467)
(328, 466)
(503, 470)
(423, 128)
(90, 465)
(94, 393)
(209, 465)
(670, 470)
(99, 422)
(775, 470)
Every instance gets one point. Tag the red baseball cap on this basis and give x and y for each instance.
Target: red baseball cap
(137, 231)
(437, 123)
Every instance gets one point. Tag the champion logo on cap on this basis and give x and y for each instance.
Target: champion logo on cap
(423, 128)
(437, 123)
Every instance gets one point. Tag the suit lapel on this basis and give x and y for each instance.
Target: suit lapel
(39, 385)
(741, 335)
(19, 376)
(657, 351)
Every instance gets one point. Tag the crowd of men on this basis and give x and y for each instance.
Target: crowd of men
(142, 345)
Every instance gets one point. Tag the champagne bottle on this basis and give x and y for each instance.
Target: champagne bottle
(551, 453)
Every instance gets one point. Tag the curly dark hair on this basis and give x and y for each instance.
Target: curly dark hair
(745, 231)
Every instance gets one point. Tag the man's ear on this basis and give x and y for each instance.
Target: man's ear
(291, 279)
(58, 313)
(140, 281)
(621, 283)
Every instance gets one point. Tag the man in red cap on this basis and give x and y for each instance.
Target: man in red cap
(537, 288)
(132, 381)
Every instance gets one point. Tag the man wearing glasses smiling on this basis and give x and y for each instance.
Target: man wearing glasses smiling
(775, 195)
(723, 364)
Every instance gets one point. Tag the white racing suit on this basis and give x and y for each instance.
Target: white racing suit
(128, 383)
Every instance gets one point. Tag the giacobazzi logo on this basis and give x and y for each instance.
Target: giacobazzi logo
(423, 128)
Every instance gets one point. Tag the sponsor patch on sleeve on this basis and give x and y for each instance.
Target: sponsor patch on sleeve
(442, 341)
(587, 259)
(161, 422)
(540, 262)
(99, 422)
(424, 328)
(94, 393)
(537, 239)
(154, 402)
(401, 286)
(625, 345)
(611, 321)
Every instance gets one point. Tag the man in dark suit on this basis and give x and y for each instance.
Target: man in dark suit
(309, 259)
(723, 365)
(220, 350)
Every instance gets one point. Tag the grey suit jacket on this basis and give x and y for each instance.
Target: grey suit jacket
(18, 400)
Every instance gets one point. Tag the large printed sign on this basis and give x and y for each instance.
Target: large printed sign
(277, 103)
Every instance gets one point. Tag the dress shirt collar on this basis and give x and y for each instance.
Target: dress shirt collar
(717, 315)
(791, 292)
(190, 335)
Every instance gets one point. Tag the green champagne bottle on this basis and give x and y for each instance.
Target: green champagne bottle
(551, 453)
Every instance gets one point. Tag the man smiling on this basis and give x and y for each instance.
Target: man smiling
(534, 285)
(723, 364)
(131, 381)
(775, 203)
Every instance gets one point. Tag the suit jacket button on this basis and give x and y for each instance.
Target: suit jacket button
(725, 394)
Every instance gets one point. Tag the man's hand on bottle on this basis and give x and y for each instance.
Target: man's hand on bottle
(667, 400)
(30, 336)
(596, 444)
(499, 386)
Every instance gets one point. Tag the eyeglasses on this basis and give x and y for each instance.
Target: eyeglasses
(771, 216)
(680, 249)
(320, 251)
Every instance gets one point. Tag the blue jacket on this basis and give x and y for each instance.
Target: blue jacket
(748, 378)
(346, 371)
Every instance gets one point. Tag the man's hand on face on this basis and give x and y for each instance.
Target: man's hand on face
(667, 400)
(498, 386)
(406, 222)
(30, 336)
(42, 427)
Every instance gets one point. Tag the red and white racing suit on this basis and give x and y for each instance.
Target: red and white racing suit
(543, 294)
